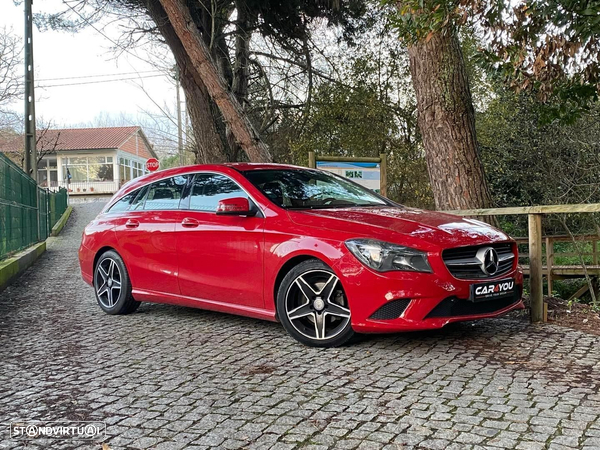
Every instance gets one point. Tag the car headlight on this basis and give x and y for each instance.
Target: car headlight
(384, 256)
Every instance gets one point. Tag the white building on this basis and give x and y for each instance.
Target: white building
(87, 160)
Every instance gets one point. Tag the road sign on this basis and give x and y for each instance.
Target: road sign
(152, 164)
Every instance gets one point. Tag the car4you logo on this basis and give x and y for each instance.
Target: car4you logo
(495, 288)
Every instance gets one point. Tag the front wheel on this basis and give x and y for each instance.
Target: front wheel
(312, 306)
(112, 285)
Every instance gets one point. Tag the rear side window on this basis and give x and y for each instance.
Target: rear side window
(138, 201)
(165, 194)
(123, 204)
(209, 189)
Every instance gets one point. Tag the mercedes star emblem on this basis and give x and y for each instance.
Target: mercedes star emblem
(488, 260)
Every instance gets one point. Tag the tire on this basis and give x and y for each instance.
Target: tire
(312, 306)
(112, 285)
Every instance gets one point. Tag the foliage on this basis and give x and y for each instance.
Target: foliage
(418, 19)
(551, 46)
(529, 161)
(290, 18)
(371, 112)
(244, 37)
(532, 162)
(11, 87)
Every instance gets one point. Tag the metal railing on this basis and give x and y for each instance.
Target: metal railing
(27, 212)
(85, 187)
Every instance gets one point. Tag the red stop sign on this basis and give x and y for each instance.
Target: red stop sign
(152, 164)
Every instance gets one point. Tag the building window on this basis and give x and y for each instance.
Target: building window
(88, 168)
(48, 172)
(124, 170)
(129, 169)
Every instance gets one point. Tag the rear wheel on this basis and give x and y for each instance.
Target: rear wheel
(112, 285)
(312, 306)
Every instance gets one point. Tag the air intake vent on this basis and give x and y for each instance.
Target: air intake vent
(453, 307)
(391, 310)
(469, 263)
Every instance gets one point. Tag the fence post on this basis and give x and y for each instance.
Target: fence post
(383, 174)
(312, 161)
(535, 268)
(549, 263)
(49, 213)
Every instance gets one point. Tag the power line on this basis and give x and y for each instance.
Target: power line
(99, 76)
(99, 81)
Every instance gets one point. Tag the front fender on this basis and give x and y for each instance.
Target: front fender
(279, 256)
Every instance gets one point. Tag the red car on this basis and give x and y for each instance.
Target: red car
(315, 251)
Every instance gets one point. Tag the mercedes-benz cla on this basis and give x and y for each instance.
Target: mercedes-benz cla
(322, 255)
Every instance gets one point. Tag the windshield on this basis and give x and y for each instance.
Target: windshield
(311, 189)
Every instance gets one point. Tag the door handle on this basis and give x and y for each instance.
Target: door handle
(132, 223)
(188, 222)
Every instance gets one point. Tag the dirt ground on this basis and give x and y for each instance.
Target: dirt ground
(579, 316)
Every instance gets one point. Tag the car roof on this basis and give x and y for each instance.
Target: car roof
(174, 171)
(245, 166)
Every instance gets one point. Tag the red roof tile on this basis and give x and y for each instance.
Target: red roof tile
(75, 139)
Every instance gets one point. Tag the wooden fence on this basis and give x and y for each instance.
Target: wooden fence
(535, 241)
(556, 271)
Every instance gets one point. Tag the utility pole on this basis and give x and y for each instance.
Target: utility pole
(179, 125)
(30, 159)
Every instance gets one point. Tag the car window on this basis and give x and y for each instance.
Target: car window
(209, 189)
(124, 203)
(165, 194)
(138, 201)
(311, 189)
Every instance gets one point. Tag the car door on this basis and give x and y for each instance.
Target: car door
(220, 256)
(146, 236)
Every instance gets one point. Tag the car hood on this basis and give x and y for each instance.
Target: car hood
(401, 225)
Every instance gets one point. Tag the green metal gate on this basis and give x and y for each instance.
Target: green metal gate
(27, 212)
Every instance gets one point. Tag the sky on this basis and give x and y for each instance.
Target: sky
(64, 60)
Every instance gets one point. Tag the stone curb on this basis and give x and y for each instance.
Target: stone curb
(14, 266)
(58, 226)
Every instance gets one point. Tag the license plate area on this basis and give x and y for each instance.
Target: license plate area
(493, 290)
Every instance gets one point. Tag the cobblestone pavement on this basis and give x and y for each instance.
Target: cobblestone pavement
(169, 377)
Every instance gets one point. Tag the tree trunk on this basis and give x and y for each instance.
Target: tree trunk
(200, 59)
(240, 72)
(208, 141)
(446, 120)
(209, 146)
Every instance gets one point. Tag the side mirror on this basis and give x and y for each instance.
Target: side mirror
(235, 206)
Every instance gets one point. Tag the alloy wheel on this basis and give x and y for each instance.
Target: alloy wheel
(108, 282)
(316, 305)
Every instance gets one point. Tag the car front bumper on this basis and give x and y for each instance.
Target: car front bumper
(412, 301)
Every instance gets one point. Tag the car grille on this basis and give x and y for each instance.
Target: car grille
(462, 262)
